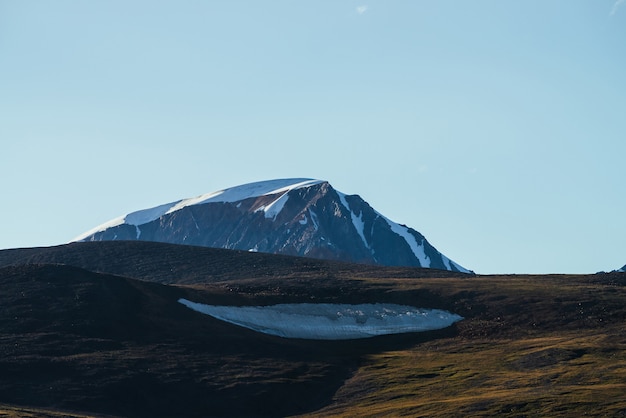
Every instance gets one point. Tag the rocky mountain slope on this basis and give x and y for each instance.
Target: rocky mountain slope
(301, 217)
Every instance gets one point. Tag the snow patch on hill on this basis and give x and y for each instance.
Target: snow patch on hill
(325, 321)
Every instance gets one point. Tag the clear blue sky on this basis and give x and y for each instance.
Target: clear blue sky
(496, 128)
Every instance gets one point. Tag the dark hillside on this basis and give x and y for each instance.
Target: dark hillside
(76, 340)
(184, 264)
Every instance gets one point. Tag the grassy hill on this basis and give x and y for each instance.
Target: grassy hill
(93, 329)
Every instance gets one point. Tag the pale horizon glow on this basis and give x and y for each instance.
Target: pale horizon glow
(495, 129)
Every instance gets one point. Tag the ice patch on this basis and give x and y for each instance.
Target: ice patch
(325, 321)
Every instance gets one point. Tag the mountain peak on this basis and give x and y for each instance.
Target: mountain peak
(295, 216)
(229, 195)
(246, 191)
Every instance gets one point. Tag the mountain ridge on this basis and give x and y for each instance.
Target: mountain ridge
(187, 264)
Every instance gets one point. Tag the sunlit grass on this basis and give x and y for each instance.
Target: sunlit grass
(562, 374)
(530, 346)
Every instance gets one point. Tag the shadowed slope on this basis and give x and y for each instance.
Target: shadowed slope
(74, 339)
(183, 264)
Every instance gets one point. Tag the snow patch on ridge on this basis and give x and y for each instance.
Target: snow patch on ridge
(273, 209)
(357, 221)
(246, 191)
(231, 195)
(359, 225)
(148, 215)
(342, 198)
(417, 248)
(137, 218)
(110, 224)
(325, 321)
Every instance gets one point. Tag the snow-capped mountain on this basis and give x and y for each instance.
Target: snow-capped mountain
(302, 217)
(623, 269)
